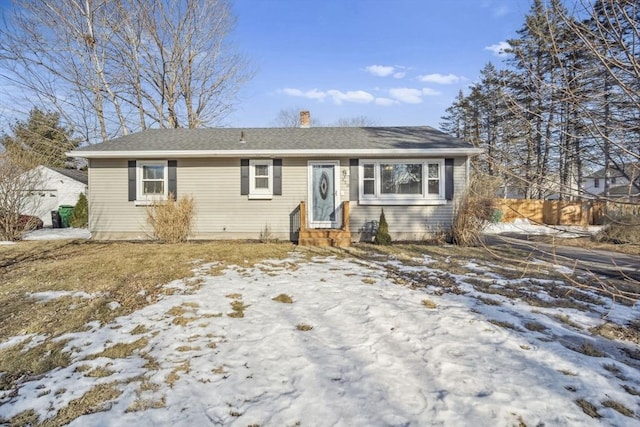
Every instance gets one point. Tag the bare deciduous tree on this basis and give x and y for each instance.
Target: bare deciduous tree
(290, 118)
(357, 121)
(16, 186)
(111, 67)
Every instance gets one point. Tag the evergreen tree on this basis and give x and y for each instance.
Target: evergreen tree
(80, 216)
(382, 235)
(40, 140)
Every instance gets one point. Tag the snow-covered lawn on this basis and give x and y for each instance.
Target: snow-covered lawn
(346, 341)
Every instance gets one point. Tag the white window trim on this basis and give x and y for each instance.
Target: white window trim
(260, 193)
(141, 199)
(399, 199)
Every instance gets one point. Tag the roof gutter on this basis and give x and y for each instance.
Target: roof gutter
(164, 154)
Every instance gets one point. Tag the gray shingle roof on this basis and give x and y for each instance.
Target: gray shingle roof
(78, 175)
(281, 139)
(631, 170)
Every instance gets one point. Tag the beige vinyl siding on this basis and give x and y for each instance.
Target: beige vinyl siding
(111, 215)
(221, 212)
(412, 222)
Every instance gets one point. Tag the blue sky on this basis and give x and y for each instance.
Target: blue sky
(397, 62)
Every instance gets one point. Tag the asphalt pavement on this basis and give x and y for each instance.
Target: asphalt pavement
(612, 265)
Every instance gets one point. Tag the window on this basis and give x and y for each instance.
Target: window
(402, 182)
(152, 181)
(260, 179)
(596, 183)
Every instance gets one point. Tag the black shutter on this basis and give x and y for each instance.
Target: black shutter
(172, 181)
(244, 177)
(354, 181)
(448, 179)
(131, 164)
(277, 177)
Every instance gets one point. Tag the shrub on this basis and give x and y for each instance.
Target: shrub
(382, 234)
(474, 210)
(80, 216)
(620, 229)
(171, 220)
(266, 236)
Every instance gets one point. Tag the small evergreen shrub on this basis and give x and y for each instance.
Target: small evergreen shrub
(80, 216)
(171, 220)
(382, 235)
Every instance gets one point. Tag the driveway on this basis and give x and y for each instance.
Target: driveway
(612, 265)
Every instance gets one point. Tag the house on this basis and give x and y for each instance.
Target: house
(620, 182)
(52, 188)
(313, 185)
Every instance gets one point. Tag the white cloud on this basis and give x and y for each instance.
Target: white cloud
(399, 75)
(442, 79)
(406, 95)
(385, 102)
(310, 94)
(358, 96)
(380, 70)
(430, 92)
(338, 97)
(498, 49)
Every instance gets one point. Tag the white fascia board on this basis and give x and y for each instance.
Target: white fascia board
(165, 154)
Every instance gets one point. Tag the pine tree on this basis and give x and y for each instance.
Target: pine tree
(382, 235)
(40, 140)
(80, 216)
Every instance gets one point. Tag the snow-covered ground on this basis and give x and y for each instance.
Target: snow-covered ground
(373, 342)
(57, 234)
(526, 227)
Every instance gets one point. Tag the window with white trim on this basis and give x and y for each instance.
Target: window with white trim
(261, 179)
(152, 177)
(400, 182)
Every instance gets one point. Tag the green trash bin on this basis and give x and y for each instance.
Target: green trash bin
(65, 212)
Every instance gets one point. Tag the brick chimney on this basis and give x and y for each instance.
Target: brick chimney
(305, 119)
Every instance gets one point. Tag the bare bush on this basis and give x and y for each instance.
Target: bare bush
(620, 230)
(474, 210)
(171, 220)
(16, 187)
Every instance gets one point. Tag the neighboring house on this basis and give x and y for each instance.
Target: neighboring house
(621, 183)
(53, 187)
(244, 181)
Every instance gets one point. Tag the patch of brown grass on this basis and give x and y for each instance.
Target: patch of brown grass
(17, 362)
(144, 404)
(429, 304)
(588, 408)
(237, 306)
(535, 326)
(127, 272)
(173, 376)
(617, 406)
(95, 400)
(25, 418)
(283, 298)
(617, 332)
(588, 349)
(504, 324)
(303, 327)
(99, 372)
(121, 350)
(139, 330)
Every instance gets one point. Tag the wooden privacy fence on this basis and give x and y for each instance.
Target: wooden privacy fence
(552, 212)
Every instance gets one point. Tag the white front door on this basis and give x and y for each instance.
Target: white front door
(323, 196)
